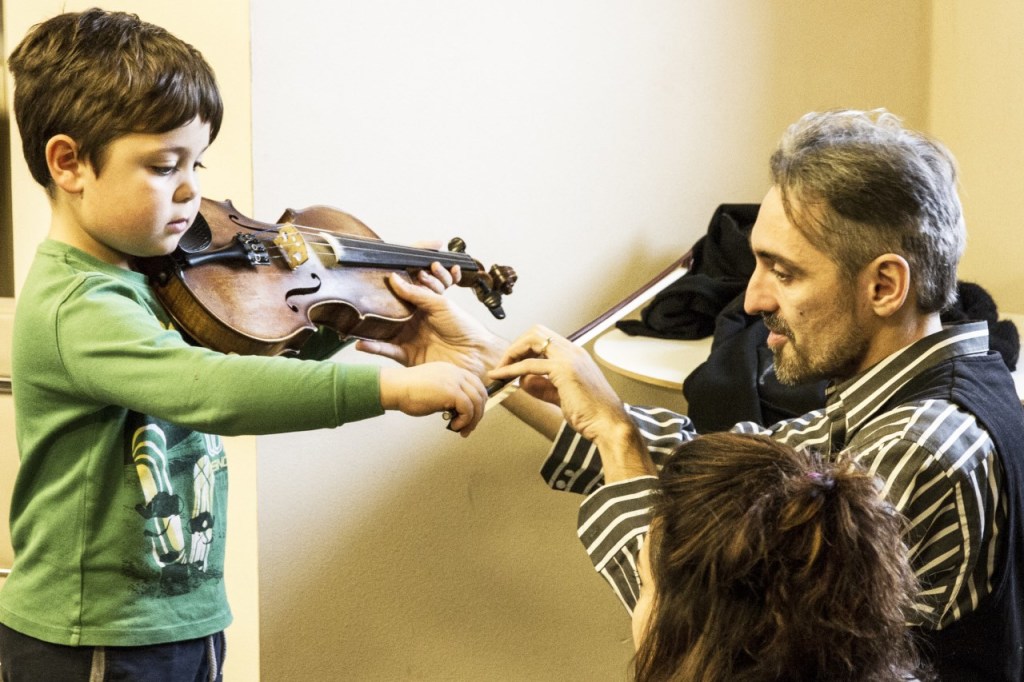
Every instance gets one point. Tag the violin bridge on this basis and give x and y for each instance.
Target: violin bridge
(292, 245)
(334, 257)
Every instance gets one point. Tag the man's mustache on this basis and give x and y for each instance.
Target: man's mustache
(776, 325)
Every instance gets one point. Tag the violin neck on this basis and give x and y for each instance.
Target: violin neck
(401, 257)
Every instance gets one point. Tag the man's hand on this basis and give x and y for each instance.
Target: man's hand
(556, 370)
(439, 330)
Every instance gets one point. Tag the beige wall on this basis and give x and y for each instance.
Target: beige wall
(221, 32)
(584, 143)
(976, 106)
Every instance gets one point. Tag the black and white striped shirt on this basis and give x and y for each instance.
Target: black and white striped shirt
(936, 463)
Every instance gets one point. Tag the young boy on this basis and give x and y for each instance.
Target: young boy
(117, 516)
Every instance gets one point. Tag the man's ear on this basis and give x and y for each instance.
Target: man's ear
(887, 279)
(65, 164)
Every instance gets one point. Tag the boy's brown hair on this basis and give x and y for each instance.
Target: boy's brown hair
(96, 76)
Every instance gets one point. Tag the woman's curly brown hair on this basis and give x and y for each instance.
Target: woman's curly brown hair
(774, 564)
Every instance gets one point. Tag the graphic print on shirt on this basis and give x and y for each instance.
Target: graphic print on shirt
(181, 502)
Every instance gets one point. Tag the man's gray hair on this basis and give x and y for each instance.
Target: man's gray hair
(859, 184)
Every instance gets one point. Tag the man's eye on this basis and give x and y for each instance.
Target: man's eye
(781, 276)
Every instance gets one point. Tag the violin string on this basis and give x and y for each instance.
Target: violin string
(358, 245)
(372, 246)
(466, 268)
(425, 254)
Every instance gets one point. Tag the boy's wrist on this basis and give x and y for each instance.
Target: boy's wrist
(390, 387)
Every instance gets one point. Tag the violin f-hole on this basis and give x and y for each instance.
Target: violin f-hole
(303, 291)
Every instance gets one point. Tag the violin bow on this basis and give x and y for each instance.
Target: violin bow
(499, 390)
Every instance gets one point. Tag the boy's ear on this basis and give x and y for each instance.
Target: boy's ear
(65, 164)
(888, 282)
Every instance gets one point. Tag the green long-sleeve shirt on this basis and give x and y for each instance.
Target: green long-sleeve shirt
(118, 511)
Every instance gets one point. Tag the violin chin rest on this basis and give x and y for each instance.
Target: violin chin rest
(198, 237)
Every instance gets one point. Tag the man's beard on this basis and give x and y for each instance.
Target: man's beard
(838, 358)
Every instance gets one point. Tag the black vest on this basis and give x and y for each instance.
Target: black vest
(988, 643)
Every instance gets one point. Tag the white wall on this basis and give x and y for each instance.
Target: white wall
(583, 142)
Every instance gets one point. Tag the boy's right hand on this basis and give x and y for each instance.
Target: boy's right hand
(435, 387)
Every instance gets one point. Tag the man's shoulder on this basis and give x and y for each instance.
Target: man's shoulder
(934, 432)
(975, 389)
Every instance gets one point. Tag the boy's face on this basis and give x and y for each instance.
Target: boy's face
(144, 198)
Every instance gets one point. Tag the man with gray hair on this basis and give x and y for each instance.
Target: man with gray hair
(856, 246)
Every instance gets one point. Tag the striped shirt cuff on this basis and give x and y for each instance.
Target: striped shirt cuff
(613, 523)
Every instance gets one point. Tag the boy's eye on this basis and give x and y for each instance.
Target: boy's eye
(197, 165)
(163, 170)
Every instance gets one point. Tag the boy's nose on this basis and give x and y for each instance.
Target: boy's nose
(188, 189)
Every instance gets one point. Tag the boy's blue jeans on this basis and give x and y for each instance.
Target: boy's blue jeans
(26, 659)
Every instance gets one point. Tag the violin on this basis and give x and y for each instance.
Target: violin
(238, 285)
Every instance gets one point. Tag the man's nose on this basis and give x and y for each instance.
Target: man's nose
(758, 297)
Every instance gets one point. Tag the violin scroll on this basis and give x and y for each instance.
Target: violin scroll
(489, 286)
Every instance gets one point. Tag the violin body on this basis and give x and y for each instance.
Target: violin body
(241, 286)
